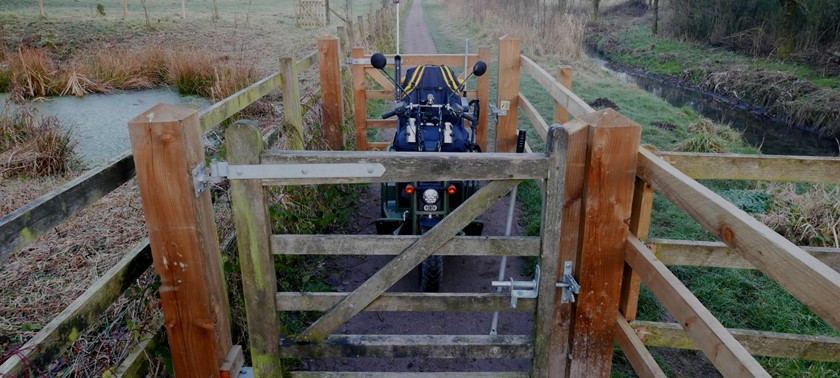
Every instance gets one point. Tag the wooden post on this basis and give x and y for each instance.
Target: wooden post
(360, 106)
(564, 76)
(292, 109)
(343, 49)
(552, 213)
(351, 35)
(639, 226)
(508, 92)
(610, 174)
(362, 38)
(250, 213)
(166, 142)
(484, 96)
(331, 92)
(570, 241)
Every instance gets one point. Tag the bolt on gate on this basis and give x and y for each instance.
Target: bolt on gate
(172, 177)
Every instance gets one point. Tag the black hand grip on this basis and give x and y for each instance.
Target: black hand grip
(468, 117)
(389, 114)
(520, 141)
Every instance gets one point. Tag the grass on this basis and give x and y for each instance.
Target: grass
(802, 94)
(739, 298)
(33, 72)
(32, 145)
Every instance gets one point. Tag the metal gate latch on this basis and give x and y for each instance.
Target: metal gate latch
(569, 285)
(521, 289)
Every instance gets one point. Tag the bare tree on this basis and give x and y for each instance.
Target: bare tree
(41, 5)
(183, 9)
(596, 11)
(215, 11)
(125, 9)
(146, 11)
(655, 17)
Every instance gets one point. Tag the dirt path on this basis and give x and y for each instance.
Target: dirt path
(461, 274)
(416, 36)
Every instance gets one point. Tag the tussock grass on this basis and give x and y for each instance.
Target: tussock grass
(705, 136)
(806, 216)
(31, 145)
(32, 73)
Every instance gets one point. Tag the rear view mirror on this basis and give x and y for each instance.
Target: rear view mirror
(379, 61)
(479, 68)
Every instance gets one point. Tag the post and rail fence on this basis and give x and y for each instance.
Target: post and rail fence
(598, 186)
(26, 225)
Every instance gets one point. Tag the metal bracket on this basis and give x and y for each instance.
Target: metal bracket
(569, 285)
(203, 178)
(498, 112)
(221, 170)
(521, 289)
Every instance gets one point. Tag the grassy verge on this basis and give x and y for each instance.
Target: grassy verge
(799, 93)
(739, 298)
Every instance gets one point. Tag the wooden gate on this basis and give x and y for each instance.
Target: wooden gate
(257, 247)
(370, 84)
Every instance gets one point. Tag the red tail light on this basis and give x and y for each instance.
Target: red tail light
(451, 190)
(409, 189)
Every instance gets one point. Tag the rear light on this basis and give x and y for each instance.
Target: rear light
(451, 190)
(409, 189)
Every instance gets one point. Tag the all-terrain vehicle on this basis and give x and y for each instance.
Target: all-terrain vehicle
(431, 113)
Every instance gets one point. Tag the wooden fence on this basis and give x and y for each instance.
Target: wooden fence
(27, 224)
(809, 274)
(579, 336)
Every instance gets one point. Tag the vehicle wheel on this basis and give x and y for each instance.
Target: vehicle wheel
(431, 274)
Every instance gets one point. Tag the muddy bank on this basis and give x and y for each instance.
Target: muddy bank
(775, 94)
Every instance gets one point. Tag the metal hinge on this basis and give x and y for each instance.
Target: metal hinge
(569, 285)
(521, 289)
(218, 171)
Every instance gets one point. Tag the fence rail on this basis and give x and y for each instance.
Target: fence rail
(802, 271)
(25, 225)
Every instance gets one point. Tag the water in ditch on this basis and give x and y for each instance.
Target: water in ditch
(99, 122)
(772, 136)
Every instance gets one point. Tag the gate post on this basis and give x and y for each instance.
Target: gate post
(166, 142)
(508, 92)
(608, 195)
(259, 284)
(332, 104)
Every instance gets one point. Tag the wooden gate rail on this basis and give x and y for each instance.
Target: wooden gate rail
(806, 278)
(319, 374)
(414, 346)
(402, 166)
(392, 245)
(810, 169)
(362, 69)
(423, 302)
(728, 356)
(719, 255)
(758, 343)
